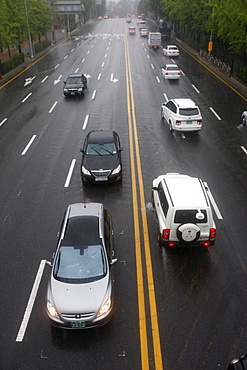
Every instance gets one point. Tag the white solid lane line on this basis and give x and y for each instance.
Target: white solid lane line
(85, 122)
(53, 107)
(28, 145)
(31, 301)
(3, 121)
(216, 115)
(67, 182)
(26, 97)
(244, 149)
(212, 201)
(195, 89)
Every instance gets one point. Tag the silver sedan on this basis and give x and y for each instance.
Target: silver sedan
(80, 288)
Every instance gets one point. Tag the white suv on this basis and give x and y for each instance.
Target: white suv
(182, 115)
(183, 210)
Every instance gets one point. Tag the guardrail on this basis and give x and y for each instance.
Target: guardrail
(216, 62)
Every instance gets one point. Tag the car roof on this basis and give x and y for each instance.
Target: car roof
(171, 65)
(75, 75)
(101, 136)
(87, 209)
(171, 46)
(185, 190)
(184, 103)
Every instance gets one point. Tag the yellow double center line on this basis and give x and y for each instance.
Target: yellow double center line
(135, 157)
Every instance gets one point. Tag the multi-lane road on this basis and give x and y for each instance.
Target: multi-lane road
(174, 309)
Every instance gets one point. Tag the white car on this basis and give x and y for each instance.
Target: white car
(171, 72)
(171, 51)
(183, 210)
(182, 114)
(144, 32)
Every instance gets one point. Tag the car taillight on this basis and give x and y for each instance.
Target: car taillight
(179, 73)
(178, 123)
(159, 46)
(212, 233)
(167, 73)
(166, 233)
(199, 121)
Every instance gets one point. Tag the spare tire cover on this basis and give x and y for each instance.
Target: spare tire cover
(188, 233)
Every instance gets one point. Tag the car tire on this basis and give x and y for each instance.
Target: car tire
(162, 117)
(188, 233)
(159, 239)
(170, 126)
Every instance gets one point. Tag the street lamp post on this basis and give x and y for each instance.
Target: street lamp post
(29, 34)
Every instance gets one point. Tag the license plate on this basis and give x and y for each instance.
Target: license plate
(189, 122)
(78, 324)
(72, 93)
(101, 178)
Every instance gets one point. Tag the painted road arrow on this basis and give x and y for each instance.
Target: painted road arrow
(113, 79)
(29, 80)
(58, 80)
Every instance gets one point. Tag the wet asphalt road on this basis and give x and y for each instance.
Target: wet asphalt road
(199, 294)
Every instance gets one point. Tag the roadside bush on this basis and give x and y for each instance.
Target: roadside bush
(11, 63)
(241, 73)
(41, 45)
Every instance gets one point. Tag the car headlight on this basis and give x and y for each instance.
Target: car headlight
(65, 89)
(85, 171)
(117, 170)
(52, 310)
(105, 307)
(80, 89)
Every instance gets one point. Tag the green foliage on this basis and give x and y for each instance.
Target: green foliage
(39, 46)
(11, 63)
(14, 20)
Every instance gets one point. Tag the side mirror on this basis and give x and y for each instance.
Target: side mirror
(154, 188)
(113, 261)
(48, 263)
(82, 151)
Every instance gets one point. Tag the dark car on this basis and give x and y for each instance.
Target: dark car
(238, 363)
(101, 157)
(76, 84)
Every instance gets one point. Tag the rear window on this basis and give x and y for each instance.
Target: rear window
(194, 216)
(188, 111)
(173, 68)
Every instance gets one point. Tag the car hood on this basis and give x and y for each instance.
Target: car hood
(105, 162)
(79, 298)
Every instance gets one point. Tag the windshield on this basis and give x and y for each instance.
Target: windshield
(101, 149)
(74, 80)
(79, 264)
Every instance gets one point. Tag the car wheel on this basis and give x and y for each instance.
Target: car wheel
(162, 117)
(188, 233)
(170, 126)
(159, 239)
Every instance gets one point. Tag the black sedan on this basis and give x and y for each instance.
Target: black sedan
(101, 157)
(76, 84)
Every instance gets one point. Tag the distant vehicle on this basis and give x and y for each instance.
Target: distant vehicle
(76, 84)
(132, 30)
(101, 157)
(154, 40)
(183, 210)
(144, 32)
(99, 17)
(171, 72)
(165, 28)
(182, 114)
(141, 24)
(128, 18)
(171, 51)
(106, 16)
(143, 17)
(80, 291)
